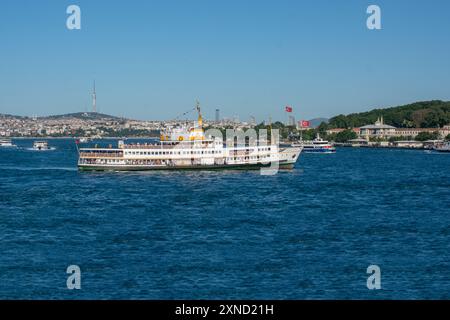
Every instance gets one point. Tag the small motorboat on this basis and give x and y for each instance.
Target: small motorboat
(41, 145)
(6, 143)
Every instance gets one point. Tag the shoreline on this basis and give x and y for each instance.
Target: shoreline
(382, 147)
(73, 138)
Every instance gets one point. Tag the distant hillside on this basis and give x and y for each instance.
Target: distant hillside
(314, 123)
(83, 115)
(4, 115)
(426, 114)
(77, 115)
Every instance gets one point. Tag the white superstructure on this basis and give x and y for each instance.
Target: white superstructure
(40, 145)
(6, 143)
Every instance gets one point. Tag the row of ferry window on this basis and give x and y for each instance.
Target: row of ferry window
(178, 152)
(249, 148)
(229, 159)
(169, 152)
(249, 158)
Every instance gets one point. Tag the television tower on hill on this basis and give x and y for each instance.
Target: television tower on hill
(94, 100)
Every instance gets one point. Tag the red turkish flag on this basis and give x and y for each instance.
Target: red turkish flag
(288, 109)
(304, 124)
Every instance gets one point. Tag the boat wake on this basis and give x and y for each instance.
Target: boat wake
(436, 152)
(40, 168)
(42, 150)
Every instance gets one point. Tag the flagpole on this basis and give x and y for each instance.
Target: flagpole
(301, 130)
(76, 144)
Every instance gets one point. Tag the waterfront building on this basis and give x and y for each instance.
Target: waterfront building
(335, 130)
(413, 132)
(377, 130)
(445, 131)
(359, 142)
(217, 115)
(338, 130)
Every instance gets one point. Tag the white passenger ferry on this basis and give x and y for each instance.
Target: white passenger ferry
(41, 146)
(444, 147)
(318, 145)
(85, 139)
(6, 143)
(186, 148)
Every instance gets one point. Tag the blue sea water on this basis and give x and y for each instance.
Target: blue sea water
(308, 233)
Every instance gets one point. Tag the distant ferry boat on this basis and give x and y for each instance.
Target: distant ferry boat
(6, 143)
(318, 145)
(40, 145)
(85, 139)
(186, 148)
(445, 147)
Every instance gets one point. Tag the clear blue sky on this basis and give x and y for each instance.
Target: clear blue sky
(153, 59)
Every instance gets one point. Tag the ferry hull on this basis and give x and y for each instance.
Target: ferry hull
(319, 151)
(84, 167)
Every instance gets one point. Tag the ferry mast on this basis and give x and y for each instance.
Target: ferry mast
(200, 119)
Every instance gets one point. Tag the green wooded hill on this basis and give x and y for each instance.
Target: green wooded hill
(425, 114)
